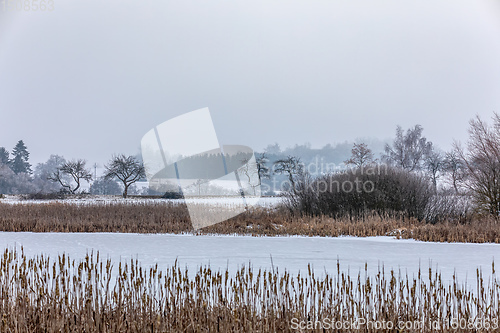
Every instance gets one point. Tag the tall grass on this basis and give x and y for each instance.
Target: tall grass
(42, 294)
(138, 217)
(143, 217)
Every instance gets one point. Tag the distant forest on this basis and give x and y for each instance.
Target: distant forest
(19, 176)
(408, 176)
(331, 154)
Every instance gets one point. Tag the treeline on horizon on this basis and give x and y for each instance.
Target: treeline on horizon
(419, 180)
(58, 176)
(19, 176)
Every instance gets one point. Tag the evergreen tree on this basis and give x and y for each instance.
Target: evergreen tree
(19, 162)
(4, 156)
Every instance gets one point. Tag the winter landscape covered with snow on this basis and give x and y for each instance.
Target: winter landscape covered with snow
(249, 166)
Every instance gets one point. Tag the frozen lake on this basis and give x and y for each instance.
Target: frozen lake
(290, 253)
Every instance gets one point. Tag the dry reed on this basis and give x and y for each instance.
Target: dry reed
(39, 294)
(174, 218)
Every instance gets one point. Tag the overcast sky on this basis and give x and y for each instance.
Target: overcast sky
(90, 78)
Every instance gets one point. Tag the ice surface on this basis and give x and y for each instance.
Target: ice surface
(290, 253)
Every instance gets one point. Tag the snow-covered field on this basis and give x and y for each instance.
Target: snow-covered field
(290, 253)
(110, 199)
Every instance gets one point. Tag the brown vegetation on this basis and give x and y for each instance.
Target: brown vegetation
(173, 218)
(65, 217)
(63, 295)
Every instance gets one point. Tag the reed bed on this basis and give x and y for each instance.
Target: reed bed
(42, 294)
(135, 217)
(168, 217)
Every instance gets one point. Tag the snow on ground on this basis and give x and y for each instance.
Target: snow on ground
(112, 199)
(290, 253)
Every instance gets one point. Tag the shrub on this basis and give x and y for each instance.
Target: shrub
(172, 195)
(387, 191)
(44, 196)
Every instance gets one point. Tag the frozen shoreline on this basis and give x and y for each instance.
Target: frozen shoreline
(283, 253)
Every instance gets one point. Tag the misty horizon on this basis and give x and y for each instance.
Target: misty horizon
(89, 79)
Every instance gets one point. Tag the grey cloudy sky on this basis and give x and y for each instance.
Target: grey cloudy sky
(90, 78)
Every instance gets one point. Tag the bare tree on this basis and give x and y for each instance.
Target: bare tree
(482, 163)
(361, 156)
(254, 173)
(197, 185)
(127, 169)
(291, 167)
(262, 167)
(408, 150)
(434, 163)
(454, 167)
(43, 171)
(76, 170)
